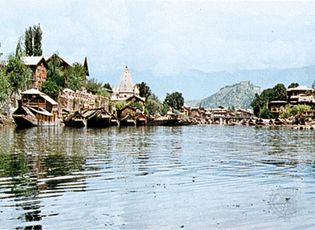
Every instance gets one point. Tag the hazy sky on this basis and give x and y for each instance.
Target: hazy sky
(167, 37)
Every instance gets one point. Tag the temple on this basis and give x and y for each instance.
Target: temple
(126, 88)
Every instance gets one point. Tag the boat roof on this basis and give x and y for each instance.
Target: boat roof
(43, 95)
(41, 111)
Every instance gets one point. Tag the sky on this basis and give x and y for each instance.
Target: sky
(167, 37)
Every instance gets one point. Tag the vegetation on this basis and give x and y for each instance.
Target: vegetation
(293, 85)
(174, 100)
(153, 106)
(144, 90)
(33, 41)
(95, 87)
(260, 103)
(75, 77)
(55, 81)
(37, 46)
(294, 110)
(19, 76)
(4, 86)
(136, 105)
(28, 41)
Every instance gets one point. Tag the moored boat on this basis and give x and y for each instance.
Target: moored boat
(36, 109)
(98, 118)
(75, 119)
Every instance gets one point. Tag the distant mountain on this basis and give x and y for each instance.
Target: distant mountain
(238, 95)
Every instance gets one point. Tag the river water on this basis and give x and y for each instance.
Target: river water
(192, 177)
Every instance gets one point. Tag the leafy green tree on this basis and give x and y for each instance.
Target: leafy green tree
(279, 93)
(144, 90)
(37, 45)
(266, 113)
(260, 103)
(93, 86)
(28, 42)
(108, 87)
(55, 81)
(175, 100)
(19, 75)
(293, 85)
(19, 52)
(136, 105)
(51, 88)
(75, 77)
(153, 105)
(4, 86)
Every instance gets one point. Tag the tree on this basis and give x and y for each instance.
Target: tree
(37, 45)
(144, 90)
(279, 93)
(260, 103)
(19, 52)
(153, 105)
(174, 100)
(19, 75)
(75, 77)
(33, 41)
(293, 85)
(28, 42)
(4, 86)
(108, 88)
(93, 86)
(55, 81)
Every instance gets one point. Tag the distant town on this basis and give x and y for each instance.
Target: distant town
(47, 90)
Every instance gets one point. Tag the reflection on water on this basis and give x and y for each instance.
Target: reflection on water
(157, 177)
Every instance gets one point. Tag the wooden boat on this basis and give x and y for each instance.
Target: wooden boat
(141, 120)
(36, 109)
(98, 118)
(128, 120)
(76, 120)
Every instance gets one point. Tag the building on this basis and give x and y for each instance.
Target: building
(300, 95)
(39, 67)
(70, 100)
(276, 106)
(126, 90)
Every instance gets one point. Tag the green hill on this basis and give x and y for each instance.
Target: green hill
(239, 96)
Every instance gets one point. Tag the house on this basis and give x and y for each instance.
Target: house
(275, 107)
(39, 67)
(300, 95)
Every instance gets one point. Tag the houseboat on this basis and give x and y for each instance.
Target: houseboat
(98, 118)
(36, 109)
(75, 119)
